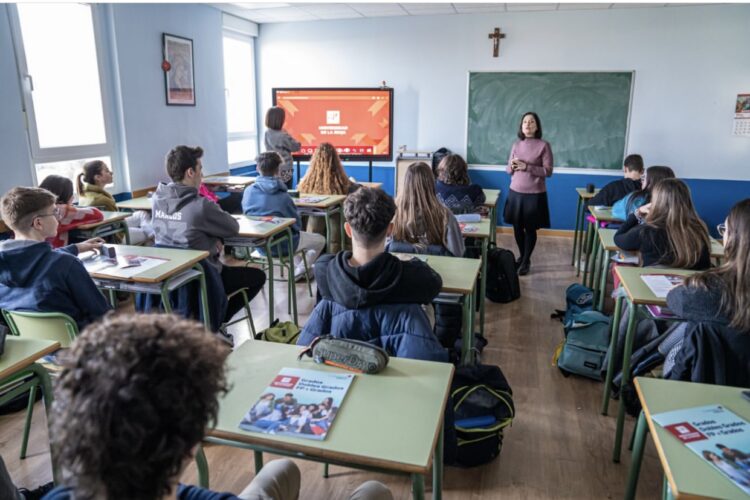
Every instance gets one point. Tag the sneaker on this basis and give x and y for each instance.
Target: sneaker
(37, 493)
(299, 271)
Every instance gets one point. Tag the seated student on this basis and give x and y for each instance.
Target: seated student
(454, 188)
(370, 295)
(92, 183)
(33, 277)
(667, 231)
(325, 175)
(133, 402)
(268, 196)
(720, 296)
(70, 215)
(619, 189)
(420, 218)
(627, 205)
(184, 219)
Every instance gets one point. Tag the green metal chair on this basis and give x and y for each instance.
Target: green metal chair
(45, 326)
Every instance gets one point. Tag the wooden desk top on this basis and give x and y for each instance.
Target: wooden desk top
(389, 420)
(373, 185)
(109, 218)
(482, 232)
(228, 180)
(688, 474)
(177, 260)
(459, 275)
(257, 227)
(717, 249)
(607, 237)
(140, 203)
(20, 353)
(583, 194)
(603, 214)
(490, 197)
(638, 291)
(329, 200)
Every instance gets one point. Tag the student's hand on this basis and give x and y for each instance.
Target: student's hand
(520, 165)
(644, 210)
(88, 245)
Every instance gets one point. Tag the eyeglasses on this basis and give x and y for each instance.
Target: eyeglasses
(56, 213)
(721, 229)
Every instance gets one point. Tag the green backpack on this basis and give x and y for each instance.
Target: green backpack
(585, 345)
(282, 332)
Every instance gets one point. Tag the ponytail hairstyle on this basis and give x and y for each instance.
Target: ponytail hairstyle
(735, 272)
(653, 176)
(60, 186)
(419, 214)
(672, 210)
(90, 170)
(453, 170)
(325, 174)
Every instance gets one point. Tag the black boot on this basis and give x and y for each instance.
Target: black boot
(523, 269)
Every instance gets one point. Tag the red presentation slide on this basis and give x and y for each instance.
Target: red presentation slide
(356, 121)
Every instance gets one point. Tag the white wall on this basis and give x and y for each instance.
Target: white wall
(690, 63)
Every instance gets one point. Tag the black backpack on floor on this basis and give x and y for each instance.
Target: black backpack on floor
(482, 405)
(502, 277)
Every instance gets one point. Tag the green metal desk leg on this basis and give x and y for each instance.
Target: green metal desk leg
(468, 330)
(325, 470)
(327, 217)
(593, 255)
(48, 396)
(483, 286)
(27, 423)
(204, 297)
(271, 304)
(292, 287)
(342, 232)
(417, 486)
(493, 227)
(603, 283)
(637, 457)
(202, 465)
(587, 250)
(258, 457)
(626, 353)
(614, 331)
(437, 468)
(596, 270)
(575, 232)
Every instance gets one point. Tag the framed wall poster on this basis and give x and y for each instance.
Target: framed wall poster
(179, 76)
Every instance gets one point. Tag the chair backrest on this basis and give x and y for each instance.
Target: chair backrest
(42, 325)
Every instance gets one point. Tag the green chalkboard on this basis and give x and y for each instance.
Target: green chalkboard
(584, 115)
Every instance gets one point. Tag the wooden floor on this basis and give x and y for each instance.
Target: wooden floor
(559, 445)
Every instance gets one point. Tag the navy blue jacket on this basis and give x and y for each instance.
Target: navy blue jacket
(460, 199)
(34, 277)
(184, 492)
(377, 303)
(269, 196)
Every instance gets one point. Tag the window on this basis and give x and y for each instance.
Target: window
(56, 49)
(239, 82)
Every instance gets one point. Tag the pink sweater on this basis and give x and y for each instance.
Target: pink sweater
(537, 154)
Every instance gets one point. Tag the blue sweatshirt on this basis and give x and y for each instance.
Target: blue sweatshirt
(34, 277)
(269, 196)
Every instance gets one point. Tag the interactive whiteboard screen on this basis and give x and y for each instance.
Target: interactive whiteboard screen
(356, 121)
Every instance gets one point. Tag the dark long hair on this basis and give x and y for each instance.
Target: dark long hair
(60, 186)
(653, 176)
(538, 133)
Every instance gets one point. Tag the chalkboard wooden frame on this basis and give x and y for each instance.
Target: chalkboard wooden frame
(622, 83)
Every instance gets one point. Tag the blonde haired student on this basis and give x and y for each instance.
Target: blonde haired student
(277, 139)
(91, 185)
(667, 231)
(325, 175)
(421, 219)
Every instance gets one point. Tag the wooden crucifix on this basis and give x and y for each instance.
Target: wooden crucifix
(495, 36)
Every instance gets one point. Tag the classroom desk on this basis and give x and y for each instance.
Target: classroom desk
(372, 185)
(268, 232)
(580, 224)
(603, 214)
(484, 235)
(390, 422)
(140, 203)
(717, 251)
(491, 196)
(113, 223)
(18, 362)
(328, 206)
(638, 294)
(687, 474)
(227, 182)
(179, 268)
(459, 276)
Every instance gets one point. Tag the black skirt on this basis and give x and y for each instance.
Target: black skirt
(527, 209)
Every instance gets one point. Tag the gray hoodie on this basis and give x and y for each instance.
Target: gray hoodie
(182, 218)
(284, 144)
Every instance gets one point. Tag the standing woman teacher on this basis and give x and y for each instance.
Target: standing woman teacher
(530, 163)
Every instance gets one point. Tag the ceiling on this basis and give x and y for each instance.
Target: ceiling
(267, 12)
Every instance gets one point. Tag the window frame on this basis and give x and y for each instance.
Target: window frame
(236, 136)
(39, 154)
